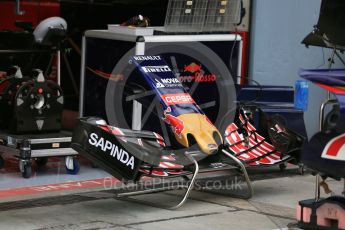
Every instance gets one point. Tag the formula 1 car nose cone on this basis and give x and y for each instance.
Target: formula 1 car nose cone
(187, 121)
(195, 126)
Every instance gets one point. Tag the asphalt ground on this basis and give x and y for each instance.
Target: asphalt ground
(272, 206)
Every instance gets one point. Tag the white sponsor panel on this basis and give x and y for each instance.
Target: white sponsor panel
(159, 84)
(147, 58)
(156, 69)
(167, 82)
(115, 151)
(170, 81)
(181, 98)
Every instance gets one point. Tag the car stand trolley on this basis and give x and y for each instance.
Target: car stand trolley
(39, 147)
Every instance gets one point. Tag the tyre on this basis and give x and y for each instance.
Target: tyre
(301, 169)
(26, 173)
(283, 166)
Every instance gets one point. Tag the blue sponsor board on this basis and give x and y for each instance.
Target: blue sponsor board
(159, 76)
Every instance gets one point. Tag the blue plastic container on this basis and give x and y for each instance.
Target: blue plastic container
(301, 94)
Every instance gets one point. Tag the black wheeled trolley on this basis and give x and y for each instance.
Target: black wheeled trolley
(39, 147)
(36, 104)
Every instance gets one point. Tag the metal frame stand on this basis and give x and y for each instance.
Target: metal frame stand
(246, 177)
(136, 125)
(189, 187)
(29, 147)
(26, 144)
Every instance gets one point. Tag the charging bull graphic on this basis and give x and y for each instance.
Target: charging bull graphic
(176, 124)
(188, 123)
(192, 68)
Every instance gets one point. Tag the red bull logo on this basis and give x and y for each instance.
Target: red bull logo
(192, 68)
(196, 74)
(176, 124)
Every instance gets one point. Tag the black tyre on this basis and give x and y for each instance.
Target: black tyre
(282, 166)
(27, 170)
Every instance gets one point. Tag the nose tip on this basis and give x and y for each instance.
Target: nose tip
(212, 148)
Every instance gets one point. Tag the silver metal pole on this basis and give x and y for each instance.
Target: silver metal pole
(322, 111)
(137, 114)
(245, 173)
(127, 195)
(18, 11)
(58, 54)
(317, 188)
(190, 188)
